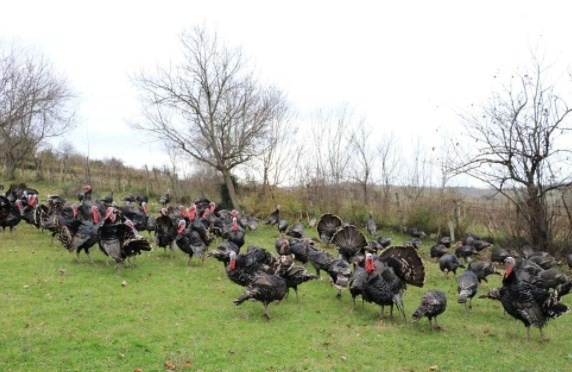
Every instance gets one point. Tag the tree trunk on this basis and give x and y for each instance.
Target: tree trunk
(537, 219)
(10, 172)
(231, 191)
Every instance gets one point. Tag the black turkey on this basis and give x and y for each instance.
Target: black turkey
(121, 241)
(340, 272)
(274, 217)
(282, 226)
(252, 222)
(529, 304)
(371, 227)
(327, 227)
(468, 286)
(438, 250)
(483, 269)
(296, 230)
(164, 199)
(499, 254)
(222, 252)
(414, 232)
(77, 236)
(433, 303)
(465, 251)
(449, 263)
(357, 281)
(165, 230)
(388, 274)
(320, 260)
(190, 242)
(349, 241)
(549, 279)
(293, 274)
(242, 268)
(384, 241)
(445, 240)
(264, 288)
(10, 214)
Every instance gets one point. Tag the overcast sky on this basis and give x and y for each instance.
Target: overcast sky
(409, 67)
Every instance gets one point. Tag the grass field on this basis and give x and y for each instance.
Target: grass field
(57, 314)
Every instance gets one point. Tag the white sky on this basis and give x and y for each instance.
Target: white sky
(408, 67)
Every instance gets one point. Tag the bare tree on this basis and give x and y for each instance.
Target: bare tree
(521, 148)
(209, 106)
(364, 156)
(277, 158)
(388, 165)
(34, 105)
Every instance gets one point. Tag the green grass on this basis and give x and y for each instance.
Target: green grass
(56, 314)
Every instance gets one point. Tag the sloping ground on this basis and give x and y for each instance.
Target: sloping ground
(56, 314)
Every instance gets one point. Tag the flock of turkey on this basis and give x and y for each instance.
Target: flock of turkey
(375, 270)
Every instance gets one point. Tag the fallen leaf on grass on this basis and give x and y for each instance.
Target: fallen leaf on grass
(170, 365)
(434, 368)
(124, 283)
(137, 369)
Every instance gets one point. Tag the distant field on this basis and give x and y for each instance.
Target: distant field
(57, 314)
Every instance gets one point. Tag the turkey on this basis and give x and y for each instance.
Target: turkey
(164, 200)
(87, 192)
(483, 269)
(433, 303)
(480, 245)
(327, 226)
(545, 260)
(468, 286)
(243, 268)
(78, 236)
(296, 230)
(108, 199)
(465, 251)
(499, 254)
(138, 216)
(128, 199)
(282, 226)
(529, 304)
(357, 281)
(301, 248)
(371, 227)
(282, 247)
(293, 274)
(445, 240)
(384, 241)
(120, 241)
(10, 214)
(312, 222)
(349, 241)
(235, 235)
(414, 243)
(252, 222)
(222, 252)
(264, 288)
(549, 279)
(190, 242)
(165, 230)
(470, 238)
(414, 232)
(449, 263)
(388, 275)
(340, 273)
(438, 250)
(274, 217)
(320, 260)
